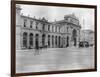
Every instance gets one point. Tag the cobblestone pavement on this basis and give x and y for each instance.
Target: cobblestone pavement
(53, 59)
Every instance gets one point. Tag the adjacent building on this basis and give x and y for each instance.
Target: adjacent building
(32, 32)
(87, 35)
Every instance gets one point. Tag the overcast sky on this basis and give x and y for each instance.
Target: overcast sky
(53, 13)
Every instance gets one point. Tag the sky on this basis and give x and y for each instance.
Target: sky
(52, 13)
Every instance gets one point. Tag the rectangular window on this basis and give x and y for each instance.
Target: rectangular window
(43, 28)
(59, 29)
(56, 29)
(48, 27)
(67, 29)
(25, 21)
(52, 28)
(31, 22)
(37, 25)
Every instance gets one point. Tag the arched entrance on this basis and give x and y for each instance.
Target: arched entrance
(31, 40)
(52, 41)
(75, 37)
(56, 41)
(48, 40)
(37, 40)
(43, 40)
(59, 40)
(25, 40)
(67, 41)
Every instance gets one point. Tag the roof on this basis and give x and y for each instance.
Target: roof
(33, 18)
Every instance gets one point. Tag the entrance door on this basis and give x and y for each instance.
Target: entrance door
(59, 41)
(36, 41)
(74, 37)
(43, 40)
(48, 40)
(25, 40)
(30, 41)
(67, 41)
(74, 41)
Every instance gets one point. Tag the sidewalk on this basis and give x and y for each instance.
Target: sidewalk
(48, 48)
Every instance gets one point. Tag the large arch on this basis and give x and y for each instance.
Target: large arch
(31, 40)
(48, 40)
(67, 42)
(59, 40)
(52, 41)
(43, 40)
(25, 40)
(74, 35)
(36, 40)
(56, 41)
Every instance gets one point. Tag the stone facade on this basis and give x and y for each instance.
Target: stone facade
(32, 32)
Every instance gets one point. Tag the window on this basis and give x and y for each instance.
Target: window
(69, 19)
(55, 28)
(31, 22)
(25, 21)
(43, 27)
(37, 25)
(67, 29)
(48, 27)
(59, 29)
(25, 39)
(52, 28)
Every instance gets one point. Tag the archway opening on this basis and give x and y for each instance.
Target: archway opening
(75, 37)
(56, 41)
(67, 41)
(48, 40)
(59, 40)
(43, 40)
(31, 40)
(52, 41)
(37, 40)
(25, 40)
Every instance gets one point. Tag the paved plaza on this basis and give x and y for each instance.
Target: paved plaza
(52, 59)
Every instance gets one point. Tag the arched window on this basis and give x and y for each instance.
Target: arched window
(25, 39)
(31, 40)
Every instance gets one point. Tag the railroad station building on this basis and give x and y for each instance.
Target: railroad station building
(32, 32)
